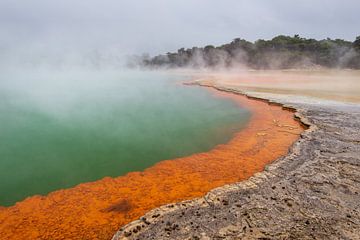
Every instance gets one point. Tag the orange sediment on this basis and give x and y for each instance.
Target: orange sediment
(97, 209)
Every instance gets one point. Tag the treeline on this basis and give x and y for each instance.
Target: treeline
(281, 52)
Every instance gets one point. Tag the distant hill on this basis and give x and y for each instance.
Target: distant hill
(281, 52)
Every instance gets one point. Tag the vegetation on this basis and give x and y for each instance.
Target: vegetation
(281, 52)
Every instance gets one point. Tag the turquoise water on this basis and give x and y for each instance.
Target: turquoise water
(62, 128)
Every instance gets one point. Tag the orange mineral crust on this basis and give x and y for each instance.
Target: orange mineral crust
(96, 210)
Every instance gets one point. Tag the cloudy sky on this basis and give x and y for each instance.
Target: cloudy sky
(156, 26)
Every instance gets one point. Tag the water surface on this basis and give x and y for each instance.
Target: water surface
(62, 128)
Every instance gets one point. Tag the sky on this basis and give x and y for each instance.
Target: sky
(48, 29)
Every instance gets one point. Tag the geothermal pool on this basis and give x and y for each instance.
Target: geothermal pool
(202, 119)
(62, 128)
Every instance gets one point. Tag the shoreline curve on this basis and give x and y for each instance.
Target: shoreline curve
(311, 193)
(96, 209)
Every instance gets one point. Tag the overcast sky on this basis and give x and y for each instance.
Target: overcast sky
(156, 26)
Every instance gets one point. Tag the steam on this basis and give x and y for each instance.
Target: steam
(68, 94)
(58, 59)
(100, 34)
(329, 84)
(280, 52)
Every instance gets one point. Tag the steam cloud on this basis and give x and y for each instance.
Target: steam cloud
(101, 33)
(281, 52)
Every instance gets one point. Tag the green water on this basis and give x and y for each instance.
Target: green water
(62, 128)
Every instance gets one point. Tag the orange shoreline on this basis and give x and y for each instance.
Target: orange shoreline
(96, 210)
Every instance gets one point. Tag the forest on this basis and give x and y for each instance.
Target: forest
(281, 52)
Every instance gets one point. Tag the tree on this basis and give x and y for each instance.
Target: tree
(181, 51)
(280, 52)
(208, 48)
(356, 44)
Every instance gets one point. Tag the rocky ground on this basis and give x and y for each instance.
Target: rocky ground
(312, 193)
